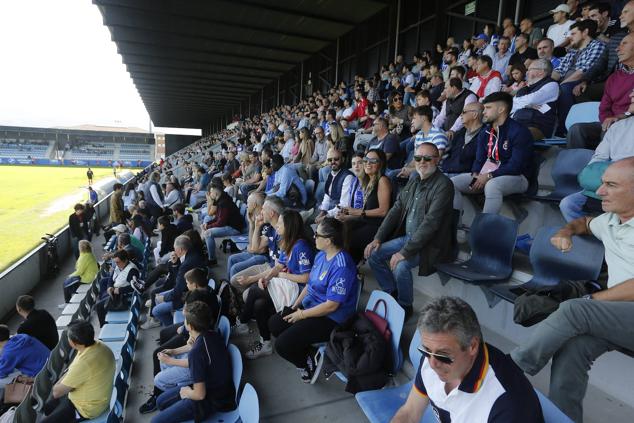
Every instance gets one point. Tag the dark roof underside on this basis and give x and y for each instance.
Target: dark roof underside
(191, 61)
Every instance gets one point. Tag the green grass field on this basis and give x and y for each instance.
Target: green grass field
(36, 200)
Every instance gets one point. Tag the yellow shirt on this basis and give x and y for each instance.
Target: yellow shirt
(91, 376)
(86, 267)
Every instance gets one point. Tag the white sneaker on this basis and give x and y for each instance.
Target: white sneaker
(151, 324)
(259, 349)
(148, 303)
(240, 329)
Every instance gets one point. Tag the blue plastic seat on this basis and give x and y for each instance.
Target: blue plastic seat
(63, 320)
(178, 317)
(552, 414)
(124, 316)
(224, 327)
(236, 368)
(249, 408)
(579, 113)
(551, 266)
(567, 166)
(117, 331)
(241, 241)
(83, 288)
(492, 241)
(71, 308)
(380, 405)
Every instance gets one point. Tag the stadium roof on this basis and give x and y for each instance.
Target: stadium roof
(191, 61)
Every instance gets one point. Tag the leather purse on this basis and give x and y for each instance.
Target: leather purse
(16, 391)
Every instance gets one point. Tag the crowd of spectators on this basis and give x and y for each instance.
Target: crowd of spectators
(377, 170)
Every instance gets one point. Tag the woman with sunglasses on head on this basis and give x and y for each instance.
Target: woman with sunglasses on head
(364, 221)
(279, 287)
(328, 299)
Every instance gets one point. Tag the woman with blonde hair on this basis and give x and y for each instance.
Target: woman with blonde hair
(86, 269)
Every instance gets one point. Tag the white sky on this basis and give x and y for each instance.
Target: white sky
(58, 67)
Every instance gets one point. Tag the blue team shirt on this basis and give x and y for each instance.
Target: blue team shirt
(269, 232)
(334, 280)
(300, 260)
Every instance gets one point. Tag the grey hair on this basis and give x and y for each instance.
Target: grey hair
(545, 65)
(275, 203)
(453, 315)
(183, 242)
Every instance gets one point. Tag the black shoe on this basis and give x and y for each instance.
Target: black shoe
(149, 406)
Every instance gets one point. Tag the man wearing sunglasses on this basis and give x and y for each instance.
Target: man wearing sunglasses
(504, 156)
(337, 188)
(416, 231)
(463, 378)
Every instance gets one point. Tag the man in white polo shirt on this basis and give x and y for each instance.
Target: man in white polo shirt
(463, 378)
(582, 329)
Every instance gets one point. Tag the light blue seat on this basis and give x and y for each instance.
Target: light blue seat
(63, 320)
(380, 405)
(114, 414)
(236, 368)
(179, 317)
(83, 288)
(124, 316)
(249, 408)
(117, 346)
(70, 309)
(224, 327)
(241, 241)
(113, 332)
(552, 414)
(76, 298)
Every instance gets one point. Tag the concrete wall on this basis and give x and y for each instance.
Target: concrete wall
(173, 143)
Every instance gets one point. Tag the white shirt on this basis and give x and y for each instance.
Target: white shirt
(286, 151)
(439, 121)
(618, 240)
(172, 198)
(612, 146)
(347, 112)
(559, 32)
(546, 94)
(344, 200)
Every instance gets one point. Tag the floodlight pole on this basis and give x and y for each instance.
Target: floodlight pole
(398, 28)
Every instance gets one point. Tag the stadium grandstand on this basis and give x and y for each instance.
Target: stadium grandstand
(399, 211)
(85, 145)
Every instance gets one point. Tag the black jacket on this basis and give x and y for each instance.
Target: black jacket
(40, 325)
(192, 261)
(78, 226)
(168, 235)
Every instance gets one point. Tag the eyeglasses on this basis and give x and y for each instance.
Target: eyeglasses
(368, 160)
(318, 235)
(333, 159)
(467, 111)
(397, 99)
(442, 358)
(425, 158)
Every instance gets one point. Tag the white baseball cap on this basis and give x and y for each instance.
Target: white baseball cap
(561, 8)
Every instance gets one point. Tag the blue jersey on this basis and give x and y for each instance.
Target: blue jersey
(300, 260)
(334, 280)
(269, 232)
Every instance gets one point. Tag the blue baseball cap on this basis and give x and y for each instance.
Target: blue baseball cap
(481, 37)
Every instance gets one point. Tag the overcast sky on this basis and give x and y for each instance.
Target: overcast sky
(59, 67)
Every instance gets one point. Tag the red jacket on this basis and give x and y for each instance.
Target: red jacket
(359, 111)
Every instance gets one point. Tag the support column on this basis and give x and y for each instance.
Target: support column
(278, 90)
(397, 29)
(262, 101)
(301, 81)
(337, 64)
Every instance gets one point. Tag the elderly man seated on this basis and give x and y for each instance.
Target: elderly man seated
(583, 329)
(416, 231)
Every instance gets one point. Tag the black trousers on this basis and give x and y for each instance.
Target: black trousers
(60, 411)
(295, 339)
(259, 306)
(584, 135)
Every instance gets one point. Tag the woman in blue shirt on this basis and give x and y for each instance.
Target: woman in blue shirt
(329, 299)
(292, 268)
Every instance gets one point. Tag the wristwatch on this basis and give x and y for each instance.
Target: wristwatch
(627, 114)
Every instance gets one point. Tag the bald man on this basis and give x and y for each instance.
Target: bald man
(582, 329)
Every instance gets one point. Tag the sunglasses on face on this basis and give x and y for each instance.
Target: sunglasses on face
(372, 161)
(333, 159)
(442, 358)
(318, 235)
(425, 158)
(397, 99)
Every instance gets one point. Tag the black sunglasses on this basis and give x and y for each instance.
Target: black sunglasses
(318, 235)
(368, 160)
(397, 99)
(425, 158)
(442, 358)
(333, 159)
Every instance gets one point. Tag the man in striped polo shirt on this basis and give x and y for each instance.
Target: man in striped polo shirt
(422, 122)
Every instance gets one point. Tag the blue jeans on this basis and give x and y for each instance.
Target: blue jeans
(564, 103)
(210, 238)
(163, 311)
(571, 206)
(70, 286)
(401, 278)
(174, 409)
(240, 261)
(172, 376)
